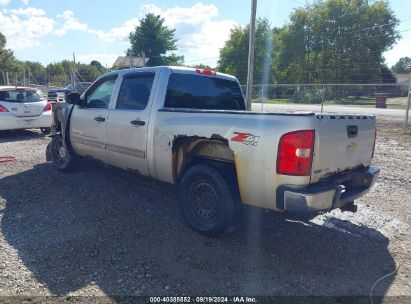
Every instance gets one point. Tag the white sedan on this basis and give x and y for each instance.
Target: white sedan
(24, 108)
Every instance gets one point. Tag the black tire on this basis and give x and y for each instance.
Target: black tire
(61, 157)
(206, 201)
(45, 131)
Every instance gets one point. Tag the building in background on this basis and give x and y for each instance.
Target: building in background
(403, 79)
(136, 62)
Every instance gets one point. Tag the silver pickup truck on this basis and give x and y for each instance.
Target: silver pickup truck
(190, 128)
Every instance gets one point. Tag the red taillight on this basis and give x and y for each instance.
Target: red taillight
(3, 109)
(375, 141)
(47, 107)
(206, 72)
(295, 153)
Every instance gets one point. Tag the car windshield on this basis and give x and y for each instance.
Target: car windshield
(20, 96)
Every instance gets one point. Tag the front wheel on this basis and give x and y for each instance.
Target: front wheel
(206, 202)
(60, 155)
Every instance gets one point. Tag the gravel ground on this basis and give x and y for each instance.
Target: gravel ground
(101, 231)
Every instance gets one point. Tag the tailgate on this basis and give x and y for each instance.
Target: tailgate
(343, 142)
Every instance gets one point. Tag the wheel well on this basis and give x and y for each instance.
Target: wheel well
(65, 132)
(215, 152)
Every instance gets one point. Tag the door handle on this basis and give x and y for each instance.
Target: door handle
(137, 122)
(99, 119)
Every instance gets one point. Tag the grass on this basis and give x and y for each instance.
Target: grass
(398, 100)
(393, 132)
(273, 101)
(392, 103)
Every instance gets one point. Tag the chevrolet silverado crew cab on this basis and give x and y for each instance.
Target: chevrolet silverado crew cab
(190, 128)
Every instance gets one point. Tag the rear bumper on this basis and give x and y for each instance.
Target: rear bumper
(332, 193)
(11, 122)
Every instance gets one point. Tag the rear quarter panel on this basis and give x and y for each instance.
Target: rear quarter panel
(255, 158)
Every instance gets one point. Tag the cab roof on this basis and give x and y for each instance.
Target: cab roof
(173, 69)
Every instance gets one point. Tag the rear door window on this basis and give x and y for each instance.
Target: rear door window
(135, 92)
(203, 92)
(21, 96)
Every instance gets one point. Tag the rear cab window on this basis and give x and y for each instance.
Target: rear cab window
(192, 91)
(21, 96)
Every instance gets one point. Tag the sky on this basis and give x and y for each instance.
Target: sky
(51, 30)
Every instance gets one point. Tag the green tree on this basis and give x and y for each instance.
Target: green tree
(87, 72)
(35, 68)
(8, 62)
(153, 40)
(387, 76)
(35, 72)
(99, 67)
(57, 74)
(5, 54)
(402, 66)
(336, 41)
(67, 66)
(174, 59)
(202, 66)
(54, 69)
(234, 55)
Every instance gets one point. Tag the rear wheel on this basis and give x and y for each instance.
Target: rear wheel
(206, 202)
(60, 155)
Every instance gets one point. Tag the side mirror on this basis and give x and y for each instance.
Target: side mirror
(73, 98)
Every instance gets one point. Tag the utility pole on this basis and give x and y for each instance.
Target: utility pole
(250, 75)
(24, 74)
(73, 75)
(408, 106)
(130, 56)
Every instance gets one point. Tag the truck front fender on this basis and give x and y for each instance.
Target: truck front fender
(61, 119)
(64, 121)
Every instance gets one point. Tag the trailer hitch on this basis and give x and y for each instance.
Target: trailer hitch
(349, 207)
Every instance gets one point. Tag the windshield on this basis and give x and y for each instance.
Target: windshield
(20, 96)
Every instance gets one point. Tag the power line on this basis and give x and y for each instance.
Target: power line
(377, 26)
(201, 59)
(361, 38)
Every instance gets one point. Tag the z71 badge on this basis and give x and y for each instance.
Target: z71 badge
(246, 138)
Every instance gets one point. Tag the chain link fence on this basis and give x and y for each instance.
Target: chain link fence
(390, 102)
(42, 82)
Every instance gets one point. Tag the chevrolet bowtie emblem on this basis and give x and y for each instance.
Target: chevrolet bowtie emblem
(352, 147)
